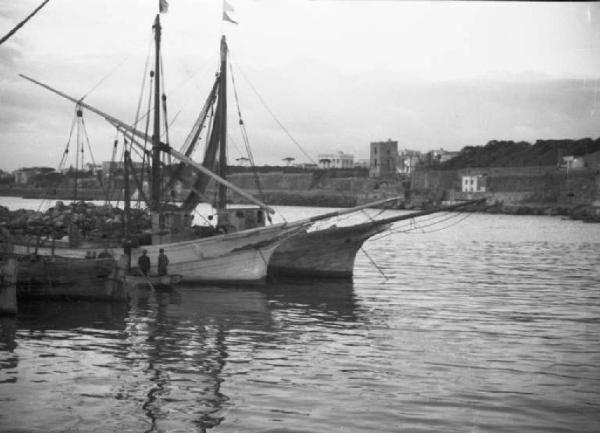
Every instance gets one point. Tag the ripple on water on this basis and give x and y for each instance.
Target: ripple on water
(484, 327)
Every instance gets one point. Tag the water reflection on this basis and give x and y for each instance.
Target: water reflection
(159, 363)
(193, 334)
(325, 300)
(184, 342)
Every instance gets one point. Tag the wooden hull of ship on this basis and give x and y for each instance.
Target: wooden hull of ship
(238, 258)
(102, 289)
(58, 270)
(153, 281)
(65, 251)
(8, 283)
(327, 253)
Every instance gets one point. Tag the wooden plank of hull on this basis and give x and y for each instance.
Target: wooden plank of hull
(154, 280)
(63, 251)
(8, 283)
(61, 270)
(91, 290)
(328, 253)
(238, 258)
(8, 270)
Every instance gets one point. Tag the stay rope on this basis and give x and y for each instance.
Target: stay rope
(63, 159)
(103, 79)
(244, 133)
(412, 227)
(287, 132)
(87, 141)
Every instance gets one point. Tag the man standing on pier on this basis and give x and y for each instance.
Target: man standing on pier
(163, 261)
(144, 263)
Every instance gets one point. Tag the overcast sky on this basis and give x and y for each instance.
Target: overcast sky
(338, 74)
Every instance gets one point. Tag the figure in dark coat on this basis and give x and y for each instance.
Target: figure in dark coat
(163, 261)
(144, 263)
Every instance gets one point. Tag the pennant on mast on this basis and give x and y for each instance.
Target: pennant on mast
(163, 6)
(227, 9)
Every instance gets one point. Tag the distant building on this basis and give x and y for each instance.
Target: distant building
(446, 155)
(93, 168)
(408, 160)
(592, 159)
(25, 175)
(473, 183)
(362, 163)
(111, 166)
(573, 162)
(306, 165)
(384, 158)
(336, 160)
(440, 155)
(22, 176)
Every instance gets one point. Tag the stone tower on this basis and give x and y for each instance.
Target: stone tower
(384, 158)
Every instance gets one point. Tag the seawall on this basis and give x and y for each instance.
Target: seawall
(522, 190)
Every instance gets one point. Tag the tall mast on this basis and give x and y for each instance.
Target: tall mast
(126, 193)
(222, 196)
(155, 195)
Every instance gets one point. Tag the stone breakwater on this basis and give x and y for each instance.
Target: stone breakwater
(91, 221)
(516, 190)
(587, 213)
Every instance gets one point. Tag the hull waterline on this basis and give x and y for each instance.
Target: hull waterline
(328, 253)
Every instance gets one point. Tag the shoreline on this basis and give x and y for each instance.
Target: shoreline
(583, 212)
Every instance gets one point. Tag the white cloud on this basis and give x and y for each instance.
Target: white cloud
(337, 74)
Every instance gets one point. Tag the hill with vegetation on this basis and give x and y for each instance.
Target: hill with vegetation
(520, 154)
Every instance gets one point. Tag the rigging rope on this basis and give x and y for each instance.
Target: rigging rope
(87, 139)
(146, 129)
(176, 90)
(275, 117)
(22, 23)
(102, 80)
(163, 100)
(374, 264)
(137, 114)
(346, 217)
(458, 220)
(244, 132)
(166, 158)
(65, 154)
(112, 168)
(78, 150)
(63, 158)
(191, 96)
(412, 226)
(193, 136)
(206, 220)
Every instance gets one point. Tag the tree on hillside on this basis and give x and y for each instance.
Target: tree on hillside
(430, 160)
(509, 153)
(6, 178)
(288, 160)
(49, 179)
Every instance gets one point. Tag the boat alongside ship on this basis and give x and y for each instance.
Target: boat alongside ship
(331, 252)
(244, 249)
(35, 269)
(229, 258)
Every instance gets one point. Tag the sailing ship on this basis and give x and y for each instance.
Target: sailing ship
(247, 249)
(326, 253)
(42, 260)
(331, 252)
(242, 253)
(240, 257)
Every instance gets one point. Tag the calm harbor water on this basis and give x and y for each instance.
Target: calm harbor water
(488, 325)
